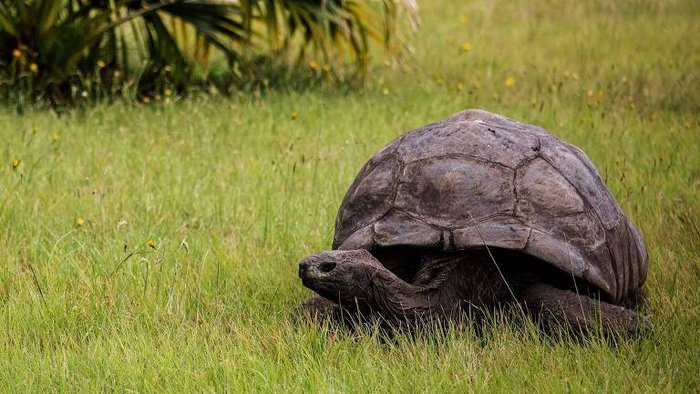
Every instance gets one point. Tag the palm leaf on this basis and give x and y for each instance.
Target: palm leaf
(67, 37)
(6, 21)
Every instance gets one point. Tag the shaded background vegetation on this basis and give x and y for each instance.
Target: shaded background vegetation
(64, 51)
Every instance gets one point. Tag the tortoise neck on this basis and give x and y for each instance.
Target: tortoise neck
(399, 299)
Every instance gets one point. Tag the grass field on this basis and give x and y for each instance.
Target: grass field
(233, 192)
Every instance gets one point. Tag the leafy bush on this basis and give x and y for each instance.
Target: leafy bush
(66, 50)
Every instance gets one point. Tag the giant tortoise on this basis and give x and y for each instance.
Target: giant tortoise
(475, 213)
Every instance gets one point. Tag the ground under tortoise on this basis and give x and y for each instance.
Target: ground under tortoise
(474, 213)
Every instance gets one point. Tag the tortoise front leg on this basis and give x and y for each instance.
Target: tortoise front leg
(555, 307)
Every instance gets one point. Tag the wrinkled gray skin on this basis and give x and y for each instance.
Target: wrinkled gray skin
(451, 287)
(477, 213)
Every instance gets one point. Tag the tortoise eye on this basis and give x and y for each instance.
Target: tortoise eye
(327, 266)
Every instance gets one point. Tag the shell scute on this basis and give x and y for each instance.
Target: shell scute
(566, 257)
(585, 179)
(454, 192)
(370, 196)
(500, 235)
(541, 188)
(548, 201)
(398, 228)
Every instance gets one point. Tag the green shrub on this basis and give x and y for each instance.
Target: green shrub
(70, 50)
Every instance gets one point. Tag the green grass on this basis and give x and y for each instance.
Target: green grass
(235, 192)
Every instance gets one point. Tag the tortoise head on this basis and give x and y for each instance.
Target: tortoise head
(344, 276)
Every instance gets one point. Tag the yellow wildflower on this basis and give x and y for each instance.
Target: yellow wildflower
(79, 222)
(313, 64)
(101, 64)
(15, 164)
(55, 137)
(151, 243)
(510, 81)
(17, 53)
(326, 68)
(34, 68)
(167, 68)
(385, 92)
(466, 47)
(295, 115)
(167, 92)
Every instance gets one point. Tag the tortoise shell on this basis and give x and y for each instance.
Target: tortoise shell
(479, 179)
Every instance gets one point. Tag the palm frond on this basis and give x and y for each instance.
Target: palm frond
(59, 40)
